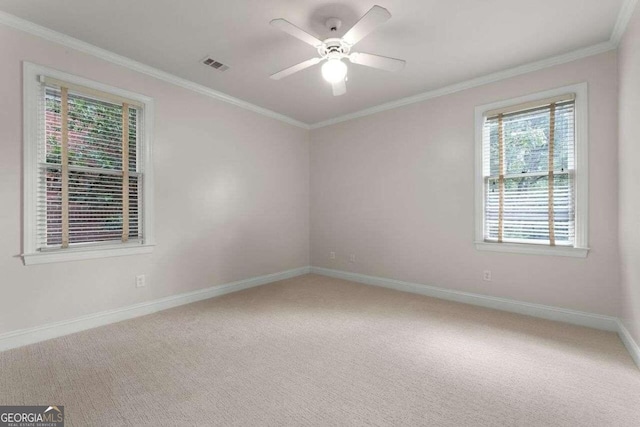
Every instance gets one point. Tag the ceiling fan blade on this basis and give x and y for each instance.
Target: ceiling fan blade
(339, 88)
(375, 16)
(296, 32)
(377, 61)
(294, 69)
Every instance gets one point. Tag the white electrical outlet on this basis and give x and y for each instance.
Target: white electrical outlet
(352, 258)
(486, 276)
(141, 281)
(332, 255)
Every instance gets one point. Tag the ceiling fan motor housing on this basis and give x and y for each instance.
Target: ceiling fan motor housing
(334, 48)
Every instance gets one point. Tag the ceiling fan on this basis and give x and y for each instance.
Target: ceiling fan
(334, 50)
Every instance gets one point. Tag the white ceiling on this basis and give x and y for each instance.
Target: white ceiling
(443, 42)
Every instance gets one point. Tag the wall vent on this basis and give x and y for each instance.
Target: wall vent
(210, 62)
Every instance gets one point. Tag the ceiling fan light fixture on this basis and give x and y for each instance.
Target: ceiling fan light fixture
(334, 70)
(334, 49)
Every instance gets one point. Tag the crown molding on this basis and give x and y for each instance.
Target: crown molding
(76, 44)
(626, 12)
(469, 84)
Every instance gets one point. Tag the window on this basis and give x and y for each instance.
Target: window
(532, 174)
(87, 169)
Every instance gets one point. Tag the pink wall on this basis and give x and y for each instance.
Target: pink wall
(232, 191)
(629, 91)
(397, 190)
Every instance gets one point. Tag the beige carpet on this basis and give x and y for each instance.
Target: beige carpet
(319, 351)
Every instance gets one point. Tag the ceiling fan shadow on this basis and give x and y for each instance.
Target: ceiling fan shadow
(318, 17)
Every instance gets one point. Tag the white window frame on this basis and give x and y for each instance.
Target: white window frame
(581, 247)
(31, 121)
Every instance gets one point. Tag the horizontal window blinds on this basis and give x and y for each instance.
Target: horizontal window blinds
(89, 186)
(529, 173)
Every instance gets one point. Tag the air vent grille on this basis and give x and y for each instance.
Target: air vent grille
(210, 62)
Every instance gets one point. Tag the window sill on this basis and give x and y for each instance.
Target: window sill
(79, 254)
(521, 248)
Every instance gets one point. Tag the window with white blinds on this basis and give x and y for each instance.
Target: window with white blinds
(89, 169)
(89, 174)
(529, 174)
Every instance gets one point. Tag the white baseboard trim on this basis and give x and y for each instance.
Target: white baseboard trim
(628, 341)
(53, 330)
(580, 318)
(36, 334)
